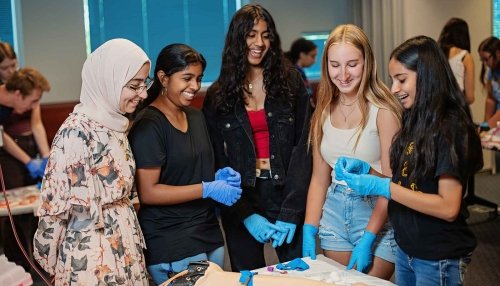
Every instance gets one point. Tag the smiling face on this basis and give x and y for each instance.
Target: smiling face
(182, 86)
(129, 98)
(345, 67)
(258, 43)
(404, 83)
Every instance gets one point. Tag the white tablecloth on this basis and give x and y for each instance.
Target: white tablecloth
(329, 271)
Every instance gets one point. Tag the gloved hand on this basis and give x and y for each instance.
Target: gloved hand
(221, 192)
(350, 165)
(279, 237)
(362, 254)
(33, 167)
(368, 185)
(260, 228)
(229, 175)
(309, 232)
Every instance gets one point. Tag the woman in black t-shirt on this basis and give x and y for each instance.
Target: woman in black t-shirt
(175, 169)
(432, 157)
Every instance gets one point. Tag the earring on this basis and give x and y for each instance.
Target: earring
(163, 91)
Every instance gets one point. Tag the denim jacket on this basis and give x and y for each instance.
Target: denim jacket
(291, 162)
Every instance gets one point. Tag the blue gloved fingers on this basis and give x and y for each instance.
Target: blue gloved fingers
(309, 232)
(362, 254)
(229, 175)
(290, 235)
(33, 167)
(221, 192)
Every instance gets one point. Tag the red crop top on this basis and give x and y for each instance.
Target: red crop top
(260, 132)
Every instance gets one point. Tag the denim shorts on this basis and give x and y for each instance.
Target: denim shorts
(344, 220)
(415, 271)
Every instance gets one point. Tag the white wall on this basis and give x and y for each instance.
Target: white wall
(54, 42)
(293, 17)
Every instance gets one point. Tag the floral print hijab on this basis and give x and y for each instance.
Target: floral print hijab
(104, 74)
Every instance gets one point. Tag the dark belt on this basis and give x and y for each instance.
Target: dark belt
(263, 174)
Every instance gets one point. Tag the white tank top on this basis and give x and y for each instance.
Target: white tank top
(340, 142)
(457, 66)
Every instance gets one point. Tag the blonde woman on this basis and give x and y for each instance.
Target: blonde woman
(356, 117)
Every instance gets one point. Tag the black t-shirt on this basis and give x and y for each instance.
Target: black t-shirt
(174, 232)
(424, 236)
(4, 113)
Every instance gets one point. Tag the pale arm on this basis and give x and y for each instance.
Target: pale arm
(469, 78)
(388, 126)
(316, 195)
(39, 132)
(153, 193)
(11, 147)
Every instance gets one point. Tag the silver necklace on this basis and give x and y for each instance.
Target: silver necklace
(348, 113)
(342, 101)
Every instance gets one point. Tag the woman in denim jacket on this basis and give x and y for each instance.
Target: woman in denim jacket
(257, 113)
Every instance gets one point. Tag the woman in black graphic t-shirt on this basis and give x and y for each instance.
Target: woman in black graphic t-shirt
(435, 152)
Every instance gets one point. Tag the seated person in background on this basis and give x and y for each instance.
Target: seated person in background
(27, 138)
(489, 53)
(302, 54)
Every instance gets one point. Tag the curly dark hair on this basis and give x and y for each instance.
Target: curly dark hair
(235, 66)
(439, 104)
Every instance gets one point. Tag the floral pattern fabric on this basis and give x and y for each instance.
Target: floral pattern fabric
(88, 233)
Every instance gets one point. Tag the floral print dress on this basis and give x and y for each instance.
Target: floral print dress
(88, 233)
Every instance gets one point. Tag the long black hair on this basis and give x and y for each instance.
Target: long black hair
(229, 86)
(439, 104)
(455, 33)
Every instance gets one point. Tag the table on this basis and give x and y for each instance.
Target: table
(490, 140)
(329, 271)
(22, 200)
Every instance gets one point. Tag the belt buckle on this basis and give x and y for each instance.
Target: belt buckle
(259, 174)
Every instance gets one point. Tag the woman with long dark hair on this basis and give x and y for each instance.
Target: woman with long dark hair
(489, 52)
(432, 156)
(257, 114)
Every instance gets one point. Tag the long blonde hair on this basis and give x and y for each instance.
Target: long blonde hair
(371, 89)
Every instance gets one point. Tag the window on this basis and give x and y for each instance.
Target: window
(6, 28)
(153, 24)
(319, 38)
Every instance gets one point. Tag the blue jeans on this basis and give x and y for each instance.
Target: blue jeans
(415, 271)
(160, 272)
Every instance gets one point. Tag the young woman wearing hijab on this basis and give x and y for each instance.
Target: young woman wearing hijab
(257, 114)
(88, 233)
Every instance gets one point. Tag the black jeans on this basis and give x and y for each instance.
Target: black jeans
(244, 251)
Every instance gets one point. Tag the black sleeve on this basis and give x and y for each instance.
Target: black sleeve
(242, 208)
(300, 168)
(148, 143)
(445, 164)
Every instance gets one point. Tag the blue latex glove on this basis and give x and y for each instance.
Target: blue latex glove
(362, 254)
(309, 232)
(368, 185)
(260, 228)
(296, 264)
(33, 167)
(229, 175)
(221, 192)
(350, 165)
(279, 237)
